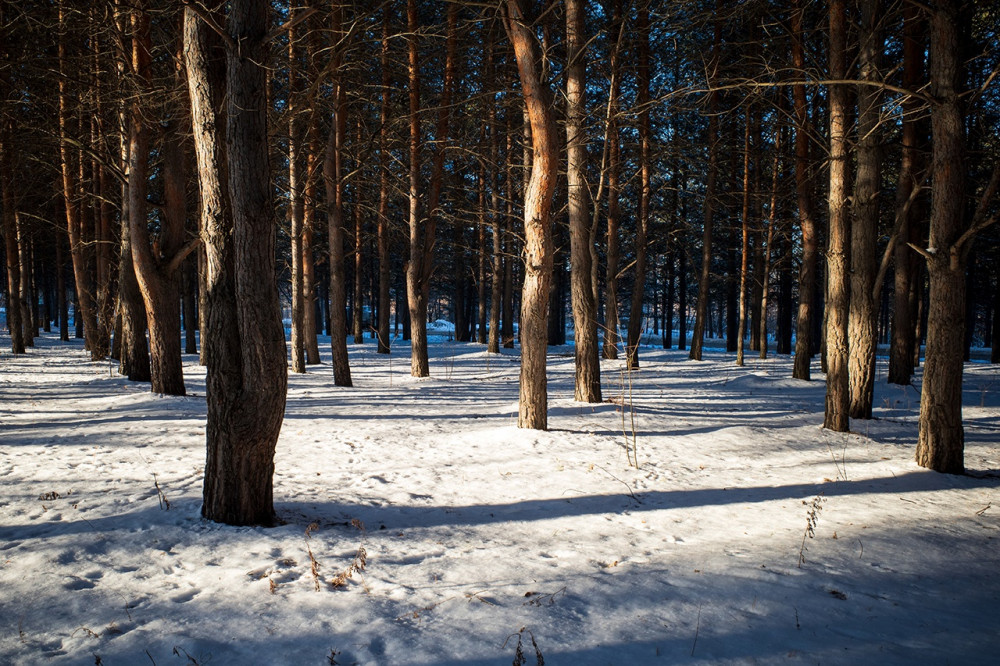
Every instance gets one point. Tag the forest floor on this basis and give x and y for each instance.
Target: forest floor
(746, 534)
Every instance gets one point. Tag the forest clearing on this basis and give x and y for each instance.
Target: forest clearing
(747, 533)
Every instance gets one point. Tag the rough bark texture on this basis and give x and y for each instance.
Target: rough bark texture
(838, 278)
(807, 222)
(247, 370)
(588, 363)
(533, 403)
(701, 309)
(941, 441)
(865, 226)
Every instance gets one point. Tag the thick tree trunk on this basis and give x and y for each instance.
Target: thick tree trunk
(533, 409)
(701, 309)
(941, 442)
(807, 222)
(247, 368)
(838, 292)
(588, 364)
(865, 226)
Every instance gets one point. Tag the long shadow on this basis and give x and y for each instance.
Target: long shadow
(400, 517)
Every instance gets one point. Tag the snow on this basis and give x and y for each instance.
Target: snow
(473, 529)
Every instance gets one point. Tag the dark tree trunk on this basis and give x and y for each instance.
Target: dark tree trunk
(907, 268)
(635, 319)
(807, 222)
(383, 193)
(247, 368)
(941, 441)
(333, 180)
(701, 308)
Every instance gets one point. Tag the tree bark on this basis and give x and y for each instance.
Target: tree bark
(838, 290)
(745, 243)
(865, 226)
(333, 180)
(247, 368)
(383, 196)
(533, 403)
(901, 350)
(156, 272)
(635, 319)
(807, 222)
(84, 302)
(588, 364)
(14, 315)
(296, 203)
(941, 441)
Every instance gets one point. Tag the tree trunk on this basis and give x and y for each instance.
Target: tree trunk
(333, 179)
(772, 220)
(14, 315)
(701, 309)
(533, 410)
(838, 293)
(84, 303)
(383, 196)
(745, 243)
(635, 319)
(807, 222)
(901, 350)
(156, 273)
(941, 442)
(865, 226)
(588, 364)
(358, 320)
(247, 368)
(296, 204)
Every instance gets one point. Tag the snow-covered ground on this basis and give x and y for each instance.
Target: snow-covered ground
(747, 534)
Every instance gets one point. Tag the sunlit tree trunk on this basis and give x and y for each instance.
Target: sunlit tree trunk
(296, 204)
(865, 226)
(533, 402)
(838, 289)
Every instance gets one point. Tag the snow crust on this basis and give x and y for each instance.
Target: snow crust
(747, 534)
